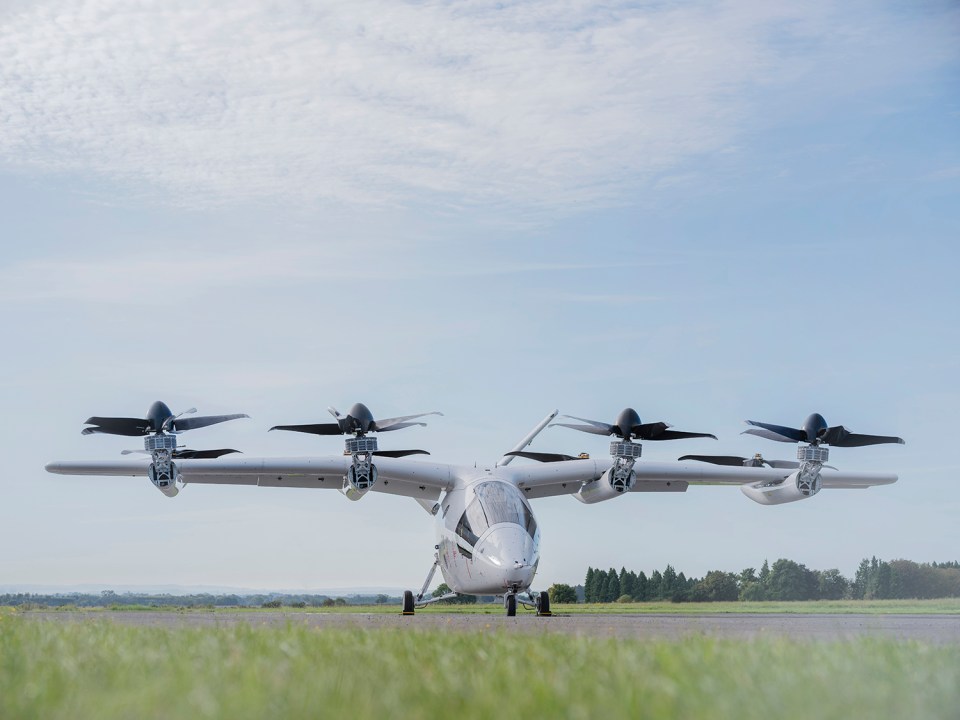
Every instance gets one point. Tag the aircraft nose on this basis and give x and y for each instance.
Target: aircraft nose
(509, 552)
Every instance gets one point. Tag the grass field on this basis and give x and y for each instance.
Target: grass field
(102, 670)
(946, 606)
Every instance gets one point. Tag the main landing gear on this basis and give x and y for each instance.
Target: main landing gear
(411, 601)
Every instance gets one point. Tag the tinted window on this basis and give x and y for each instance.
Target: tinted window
(495, 503)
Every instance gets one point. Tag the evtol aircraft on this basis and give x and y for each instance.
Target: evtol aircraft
(488, 540)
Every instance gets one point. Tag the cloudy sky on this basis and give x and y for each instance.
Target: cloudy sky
(707, 211)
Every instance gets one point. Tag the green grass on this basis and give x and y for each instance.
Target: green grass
(103, 670)
(946, 606)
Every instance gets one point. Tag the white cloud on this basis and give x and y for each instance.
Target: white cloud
(369, 101)
(547, 104)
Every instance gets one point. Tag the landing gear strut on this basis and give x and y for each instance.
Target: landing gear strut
(411, 601)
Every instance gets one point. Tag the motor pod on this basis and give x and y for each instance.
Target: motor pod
(797, 486)
(357, 484)
(165, 479)
(606, 487)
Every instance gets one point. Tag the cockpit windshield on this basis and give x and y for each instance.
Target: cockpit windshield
(495, 502)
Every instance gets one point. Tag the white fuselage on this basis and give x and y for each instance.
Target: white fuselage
(488, 540)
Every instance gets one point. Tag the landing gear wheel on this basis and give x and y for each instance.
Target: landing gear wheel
(407, 602)
(543, 604)
(511, 603)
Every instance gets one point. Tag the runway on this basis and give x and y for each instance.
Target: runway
(937, 629)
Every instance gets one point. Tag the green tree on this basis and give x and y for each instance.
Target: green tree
(612, 589)
(667, 582)
(590, 586)
(717, 586)
(858, 591)
(561, 593)
(832, 585)
(789, 580)
(764, 572)
(654, 586)
(382, 599)
(681, 589)
(640, 587)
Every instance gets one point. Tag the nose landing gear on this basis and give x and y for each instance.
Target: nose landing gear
(510, 603)
(539, 601)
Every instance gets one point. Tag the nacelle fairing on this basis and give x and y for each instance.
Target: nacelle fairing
(799, 485)
(358, 480)
(164, 478)
(610, 485)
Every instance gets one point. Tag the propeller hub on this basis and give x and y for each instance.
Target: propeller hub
(815, 427)
(157, 415)
(626, 421)
(359, 419)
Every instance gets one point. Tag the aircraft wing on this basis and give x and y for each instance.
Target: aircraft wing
(396, 476)
(566, 477)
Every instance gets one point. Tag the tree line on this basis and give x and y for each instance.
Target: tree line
(784, 580)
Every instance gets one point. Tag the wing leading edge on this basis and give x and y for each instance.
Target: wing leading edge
(566, 477)
(396, 476)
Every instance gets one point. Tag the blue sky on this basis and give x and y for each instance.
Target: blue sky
(706, 211)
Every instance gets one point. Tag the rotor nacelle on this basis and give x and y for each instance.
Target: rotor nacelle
(799, 485)
(163, 472)
(618, 480)
(362, 473)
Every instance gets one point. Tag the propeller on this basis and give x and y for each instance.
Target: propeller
(186, 454)
(737, 461)
(816, 432)
(547, 457)
(159, 420)
(628, 426)
(359, 421)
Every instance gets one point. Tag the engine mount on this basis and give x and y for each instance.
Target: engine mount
(618, 479)
(163, 471)
(362, 473)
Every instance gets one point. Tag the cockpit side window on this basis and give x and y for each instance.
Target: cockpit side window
(465, 531)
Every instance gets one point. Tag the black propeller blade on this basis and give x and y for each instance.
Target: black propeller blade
(186, 454)
(202, 454)
(816, 431)
(131, 427)
(315, 429)
(737, 461)
(159, 419)
(543, 457)
(359, 421)
(628, 426)
(399, 453)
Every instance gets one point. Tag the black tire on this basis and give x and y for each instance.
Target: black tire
(511, 605)
(543, 604)
(407, 602)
